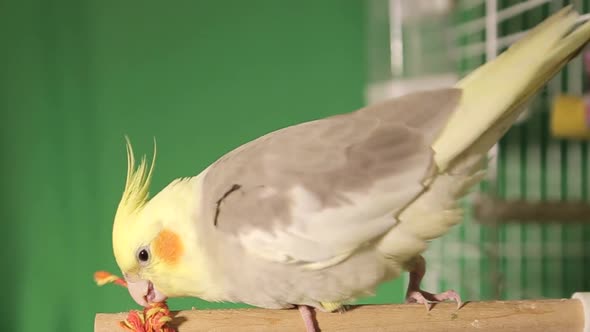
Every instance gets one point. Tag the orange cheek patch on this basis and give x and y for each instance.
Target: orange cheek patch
(168, 246)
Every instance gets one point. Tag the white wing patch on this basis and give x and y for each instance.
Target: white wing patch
(318, 237)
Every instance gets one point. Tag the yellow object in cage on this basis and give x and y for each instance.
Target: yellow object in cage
(570, 117)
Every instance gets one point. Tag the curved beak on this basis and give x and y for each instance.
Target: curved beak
(144, 292)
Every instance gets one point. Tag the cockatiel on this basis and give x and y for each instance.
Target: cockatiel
(319, 214)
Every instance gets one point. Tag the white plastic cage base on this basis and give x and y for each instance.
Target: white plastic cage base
(585, 299)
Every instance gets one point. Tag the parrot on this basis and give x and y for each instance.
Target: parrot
(316, 215)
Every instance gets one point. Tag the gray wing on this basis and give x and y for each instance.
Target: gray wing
(316, 191)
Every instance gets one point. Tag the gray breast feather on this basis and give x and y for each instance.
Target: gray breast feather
(326, 185)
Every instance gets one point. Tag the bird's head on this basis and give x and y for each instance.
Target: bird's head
(145, 247)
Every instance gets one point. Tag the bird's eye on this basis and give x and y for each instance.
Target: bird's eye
(143, 255)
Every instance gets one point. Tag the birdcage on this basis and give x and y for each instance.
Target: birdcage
(526, 224)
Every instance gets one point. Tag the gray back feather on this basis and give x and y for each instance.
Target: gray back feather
(250, 188)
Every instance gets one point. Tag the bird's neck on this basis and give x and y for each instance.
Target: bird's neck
(190, 277)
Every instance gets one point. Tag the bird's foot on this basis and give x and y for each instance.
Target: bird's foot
(417, 269)
(426, 298)
(308, 315)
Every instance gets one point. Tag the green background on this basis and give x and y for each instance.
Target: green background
(201, 76)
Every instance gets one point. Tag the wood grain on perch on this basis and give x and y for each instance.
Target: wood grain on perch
(561, 315)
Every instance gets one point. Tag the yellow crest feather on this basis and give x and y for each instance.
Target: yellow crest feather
(137, 184)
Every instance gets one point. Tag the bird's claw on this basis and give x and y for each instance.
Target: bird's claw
(428, 299)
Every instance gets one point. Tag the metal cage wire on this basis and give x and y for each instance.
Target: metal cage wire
(417, 44)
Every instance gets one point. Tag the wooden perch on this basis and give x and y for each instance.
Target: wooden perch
(562, 315)
(493, 210)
